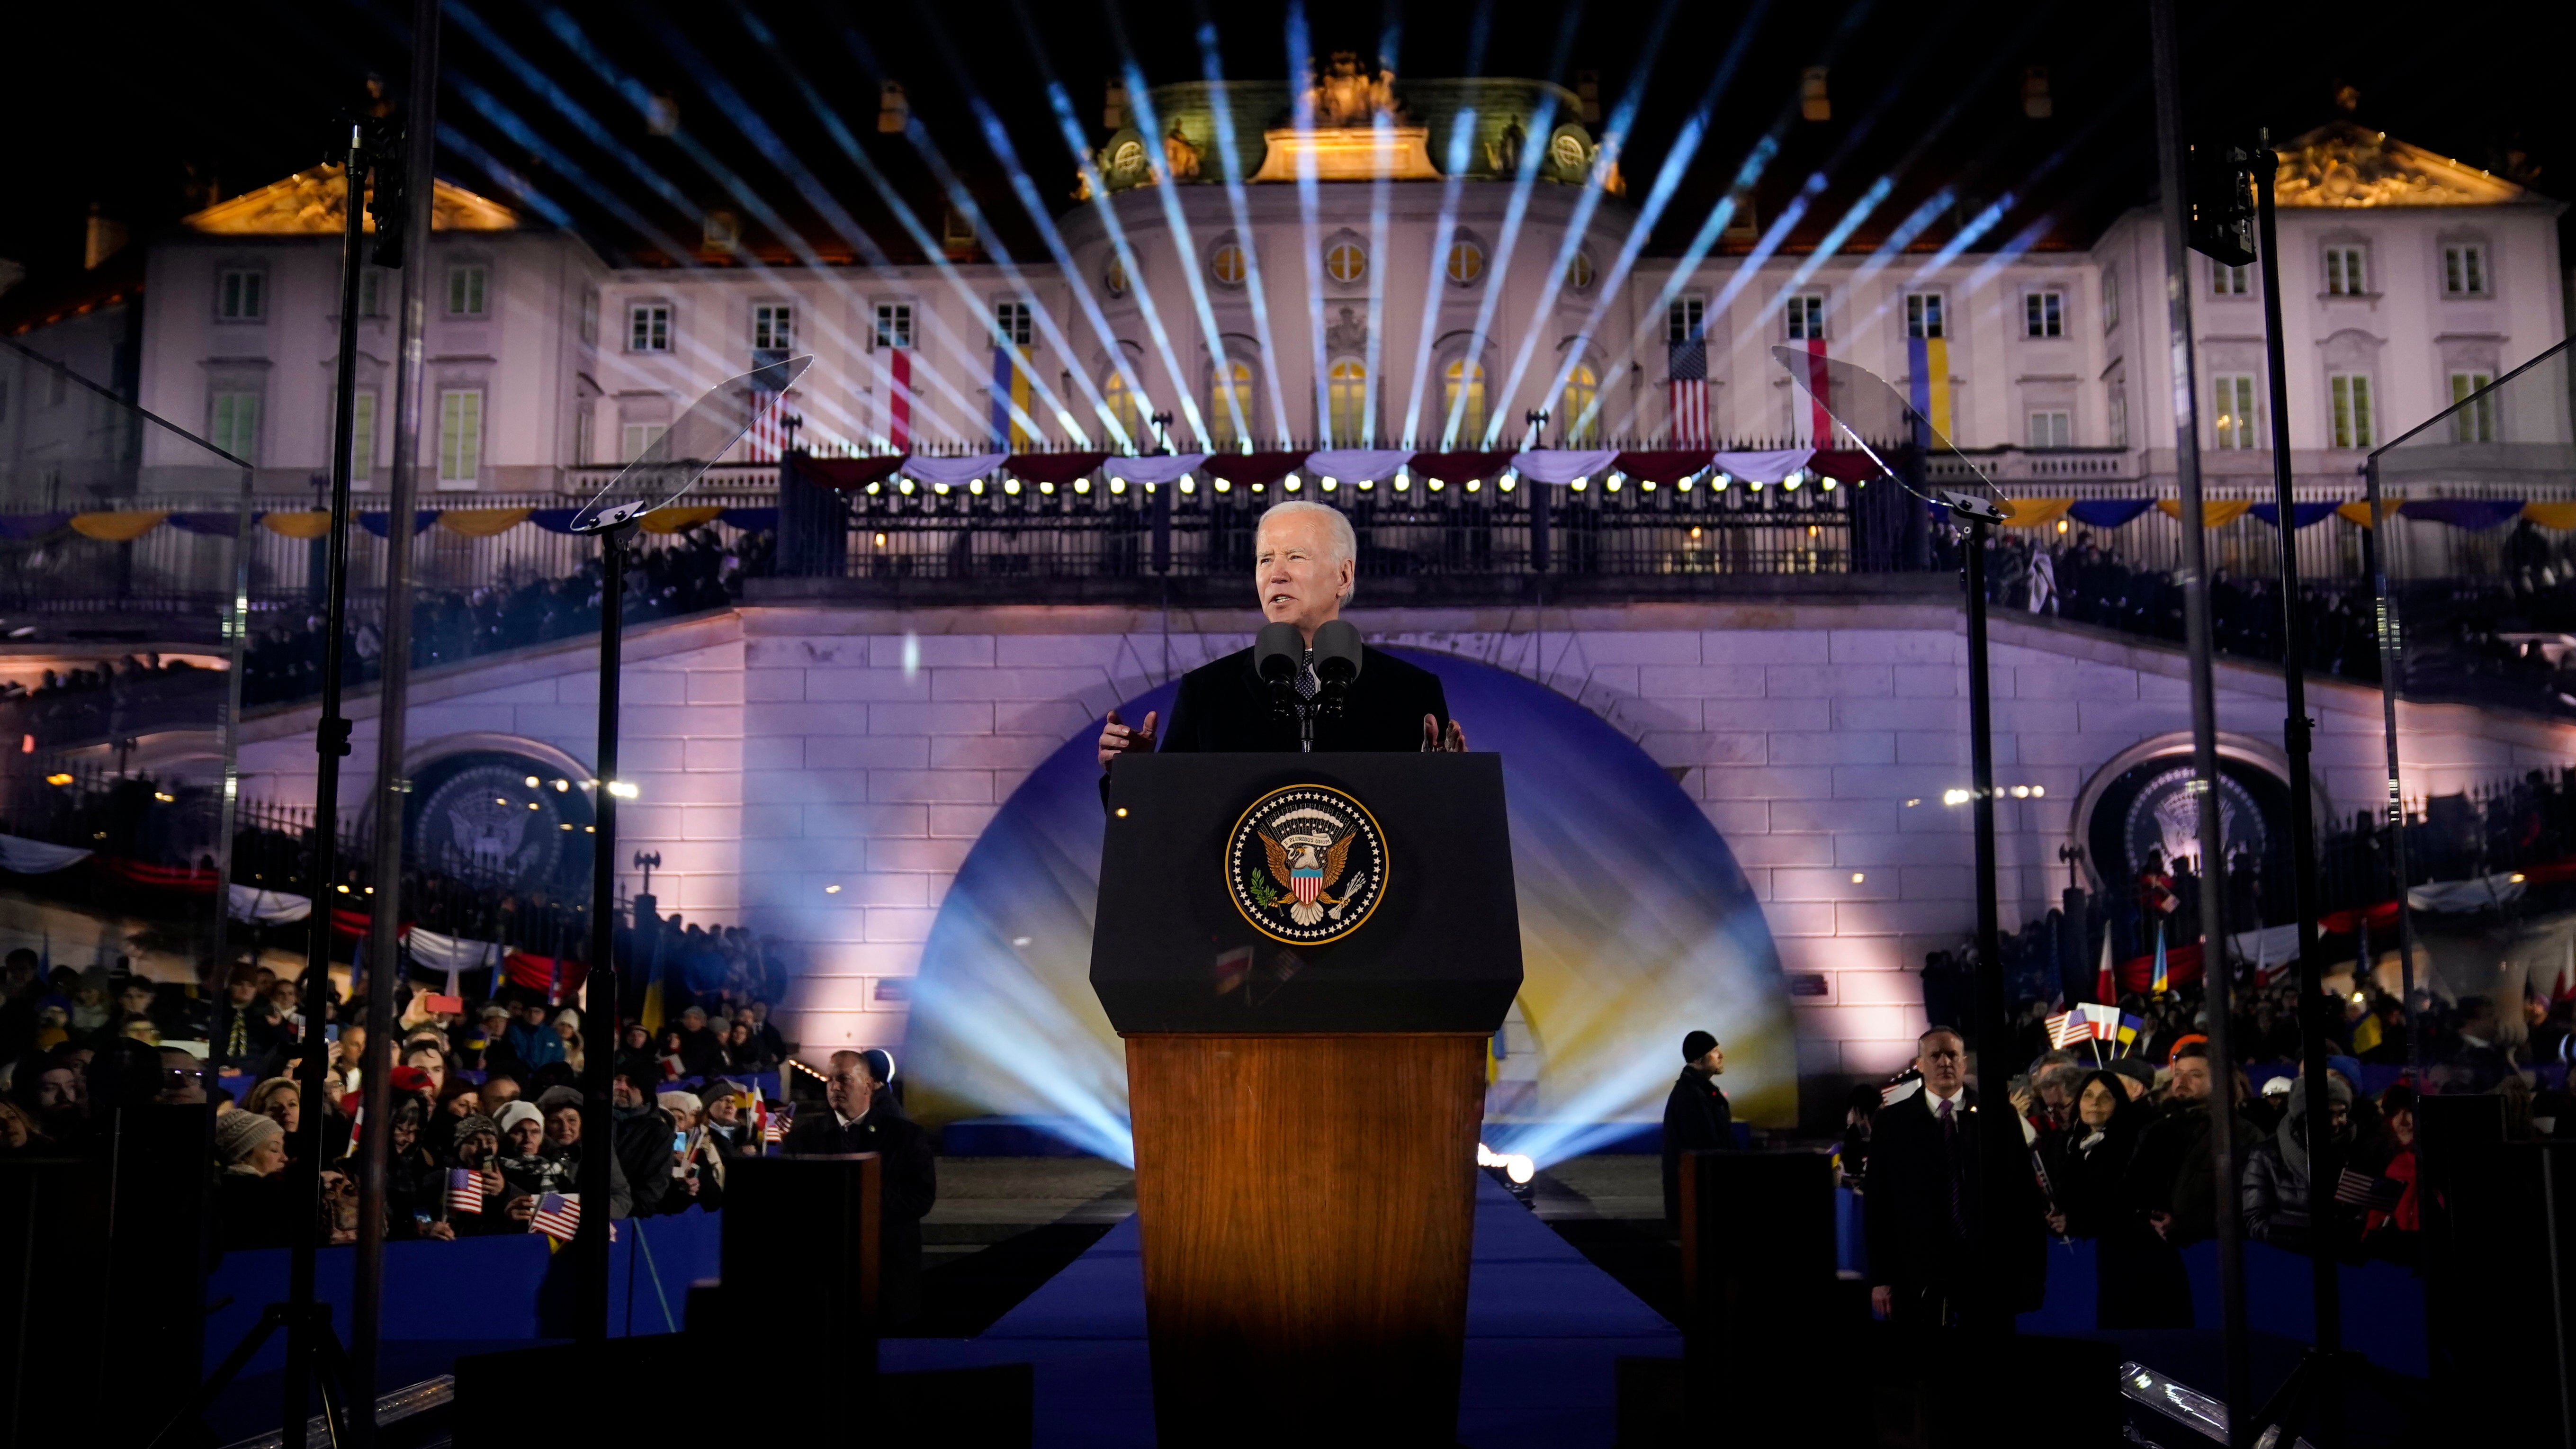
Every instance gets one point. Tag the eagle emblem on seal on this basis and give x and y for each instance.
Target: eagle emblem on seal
(1306, 864)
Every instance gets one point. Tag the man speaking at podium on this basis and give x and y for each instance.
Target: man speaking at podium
(1318, 690)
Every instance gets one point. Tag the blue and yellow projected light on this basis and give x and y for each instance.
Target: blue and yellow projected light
(1636, 926)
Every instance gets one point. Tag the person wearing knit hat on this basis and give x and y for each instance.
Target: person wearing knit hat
(685, 1108)
(251, 1143)
(1697, 1116)
(524, 1162)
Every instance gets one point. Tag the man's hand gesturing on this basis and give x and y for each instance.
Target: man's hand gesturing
(1454, 743)
(1117, 737)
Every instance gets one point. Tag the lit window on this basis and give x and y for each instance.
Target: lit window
(2464, 270)
(1806, 317)
(1462, 396)
(465, 290)
(1011, 323)
(648, 327)
(2344, 274)
(1686, 319)
(1578, 414)
(2226, 281)
(1923, 314)
(2475, 423)
(2232, 420)
(240, 295)
(773, 326)
(460, 437)
(2350, 394)
(362, 437)
(1346, 261)
(2118, 415)
(1580, 273)
(234, 424)
(1113, 277)
(1122, 405)
(1346, 401)
(1466, 262)
(1229, 403)
(1226, 264)
(2052, 429)
(2043, 314)
(894, 324)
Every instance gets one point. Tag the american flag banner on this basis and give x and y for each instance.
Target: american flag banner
(2361, 1190)
(465, 1189)
(774, 1131)
(1687, 364)
(2067, 1028)
(768, 436)
(558, 1216)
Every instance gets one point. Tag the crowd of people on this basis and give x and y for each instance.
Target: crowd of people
(699, 570)
(136, 692)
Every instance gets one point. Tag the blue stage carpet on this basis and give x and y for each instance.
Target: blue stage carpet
(1543, 1329)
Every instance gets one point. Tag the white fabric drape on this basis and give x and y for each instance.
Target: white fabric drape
(951, 471)
(1358, 465)
(1561, 465)
(1155, 468)
(268, 908)
(37, 857)
(1768, 467)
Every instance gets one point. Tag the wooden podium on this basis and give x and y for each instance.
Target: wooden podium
(1306, 955)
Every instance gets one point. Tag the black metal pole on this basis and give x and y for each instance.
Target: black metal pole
(2324, 1161)
(2392, 649)
(600, 992)
(1998, 1126)
(331, 742)
(392, 790)
(2216, 974)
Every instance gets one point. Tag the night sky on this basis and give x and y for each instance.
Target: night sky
(143, 111)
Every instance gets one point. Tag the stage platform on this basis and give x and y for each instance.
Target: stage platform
(1544, 1328)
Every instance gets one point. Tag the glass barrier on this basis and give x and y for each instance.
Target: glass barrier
(2462, 855)
(119, 689)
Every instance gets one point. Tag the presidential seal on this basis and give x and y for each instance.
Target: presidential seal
(1306, 865)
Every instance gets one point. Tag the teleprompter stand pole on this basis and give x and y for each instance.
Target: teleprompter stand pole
(600, 989)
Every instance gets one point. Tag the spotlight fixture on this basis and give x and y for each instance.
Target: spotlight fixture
(623, 789)
(831, 890)
(532, 782)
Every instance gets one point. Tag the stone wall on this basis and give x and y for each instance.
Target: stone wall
(784, 752)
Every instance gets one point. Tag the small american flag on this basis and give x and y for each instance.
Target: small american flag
(774, 1131)
(558, 1215)
(2361, 1190)
(2067, 1028)
(464, 1190)
(1687, 364)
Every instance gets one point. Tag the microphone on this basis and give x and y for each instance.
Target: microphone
(1337, 665)
(1277, 654)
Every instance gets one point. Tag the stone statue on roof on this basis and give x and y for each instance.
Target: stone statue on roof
(1180, 158)
(1343, 94)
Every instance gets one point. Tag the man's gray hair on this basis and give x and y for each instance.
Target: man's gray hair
(1346, 544)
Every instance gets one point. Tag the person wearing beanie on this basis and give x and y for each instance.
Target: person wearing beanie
(2278, 1172)
(478, 1150)
(1697, 1116)
(252, 1206)
(525, 1163)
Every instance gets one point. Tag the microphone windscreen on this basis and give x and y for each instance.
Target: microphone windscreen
(1337, 652)
(1276, 652)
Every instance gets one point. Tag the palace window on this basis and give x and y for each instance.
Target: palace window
(773, 326)
(362, 437)
(1229, 403)
(2233, 422)
(2464, 270)
(371, 291)
(2349, 394)
(2475, 423)
(894, 324)
(1462, 397)
(465, 287)
(1113, 277)
(241, 294)
(460, 437)
(1466, 262)
(2227, 281)
(2110, 300)
(1346, 402)
(1346, 261)
(635, 438)
(233, 424)
(1923, 314)
(1578, 412)
(2118, 415)
(648, 327)
(1580, 273)
(590, 315)
(1686, 319)
(2043, 314)
(2052, 428)
(1122, 406)
(1806, 317)
(2345, 274)
(1227, 264)
(1012, 325)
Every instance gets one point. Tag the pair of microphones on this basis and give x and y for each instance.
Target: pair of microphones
(1278, 653)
